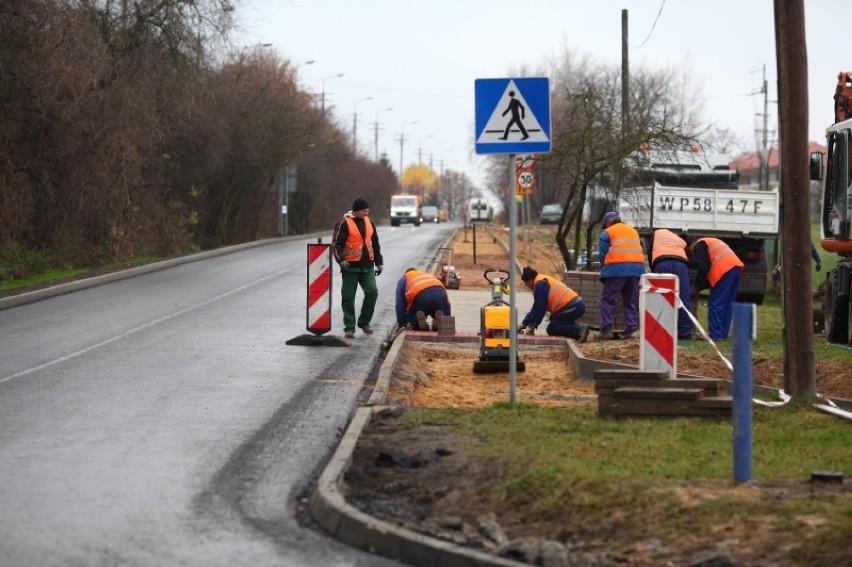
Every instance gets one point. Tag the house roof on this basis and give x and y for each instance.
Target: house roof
(751, 161)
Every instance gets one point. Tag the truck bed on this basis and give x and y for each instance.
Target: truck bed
(701, 211)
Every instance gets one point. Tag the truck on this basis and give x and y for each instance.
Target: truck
(479, 210)
(835, 223)
(405, 209)
(695, 193)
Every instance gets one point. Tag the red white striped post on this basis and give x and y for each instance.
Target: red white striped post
(658, 322)
(319, 288)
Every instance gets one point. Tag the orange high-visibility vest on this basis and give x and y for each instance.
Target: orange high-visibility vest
(667, 243)
(560, 294)
(355, 242)
(722, 259)
(415, 282)
(624, 245)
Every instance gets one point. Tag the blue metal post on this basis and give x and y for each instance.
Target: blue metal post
(742, 394)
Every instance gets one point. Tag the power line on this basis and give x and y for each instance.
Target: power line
(653, 26)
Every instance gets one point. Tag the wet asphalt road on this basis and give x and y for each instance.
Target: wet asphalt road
(162, 420)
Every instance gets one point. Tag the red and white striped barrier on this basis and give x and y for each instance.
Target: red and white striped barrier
(319, 288)
(658, 322)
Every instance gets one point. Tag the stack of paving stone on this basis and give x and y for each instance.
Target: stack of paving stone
(642, 393)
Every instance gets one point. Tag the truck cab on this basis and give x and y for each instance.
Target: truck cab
(835, 176)
(405, 209)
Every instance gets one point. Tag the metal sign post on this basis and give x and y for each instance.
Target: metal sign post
(513, 117)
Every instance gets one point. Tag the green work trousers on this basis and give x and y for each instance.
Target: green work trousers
(352, 278)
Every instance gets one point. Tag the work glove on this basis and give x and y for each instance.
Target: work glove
(818, 267)
(521, 327)
(530, 331)
(379, 270)
(344, 264)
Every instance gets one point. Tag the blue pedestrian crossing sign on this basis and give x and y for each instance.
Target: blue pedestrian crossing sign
(513, 115)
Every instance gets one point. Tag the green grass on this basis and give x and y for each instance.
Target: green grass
(769, 343)
(550, 444)
(51, 275)
(568, 467)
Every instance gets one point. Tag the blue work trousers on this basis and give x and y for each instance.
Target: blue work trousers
(720, 306)
(564, 323)
(628, 288)
(681, 270)
(429, 301)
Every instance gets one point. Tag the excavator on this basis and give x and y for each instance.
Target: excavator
(835, 177)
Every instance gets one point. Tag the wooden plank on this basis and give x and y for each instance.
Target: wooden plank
(630, 374)
(626, 408)
(626, 392)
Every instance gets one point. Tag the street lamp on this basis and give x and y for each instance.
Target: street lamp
(420, 150)
(355, 122)
(323, 87)
(401, 142)
(376, 126)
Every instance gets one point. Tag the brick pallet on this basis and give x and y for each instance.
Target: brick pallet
(636, 393)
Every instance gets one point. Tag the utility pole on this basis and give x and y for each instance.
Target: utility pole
(625, 96)
(791, 56)
(764, 177)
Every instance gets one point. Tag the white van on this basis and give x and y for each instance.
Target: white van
(479, 210)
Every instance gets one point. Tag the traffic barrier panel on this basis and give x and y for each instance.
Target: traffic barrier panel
(658, 322)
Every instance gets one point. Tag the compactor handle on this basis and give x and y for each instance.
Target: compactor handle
(492, 279)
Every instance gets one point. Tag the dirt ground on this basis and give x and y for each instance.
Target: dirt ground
(421, 478)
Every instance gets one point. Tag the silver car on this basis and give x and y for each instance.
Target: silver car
(550, 214)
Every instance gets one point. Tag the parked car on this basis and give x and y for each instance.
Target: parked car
(550, 214)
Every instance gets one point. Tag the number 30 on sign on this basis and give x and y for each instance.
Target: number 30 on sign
(524, 185)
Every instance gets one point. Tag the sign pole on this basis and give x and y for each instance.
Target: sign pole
(513, 318)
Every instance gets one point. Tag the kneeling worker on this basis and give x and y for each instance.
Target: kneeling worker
(564, 305)
(418, 295)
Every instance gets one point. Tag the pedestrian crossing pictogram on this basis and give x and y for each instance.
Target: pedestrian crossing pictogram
(512, 115)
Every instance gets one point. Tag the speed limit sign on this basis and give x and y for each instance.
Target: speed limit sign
(525, 183)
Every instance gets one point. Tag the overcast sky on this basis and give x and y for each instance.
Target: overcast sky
(422, 58)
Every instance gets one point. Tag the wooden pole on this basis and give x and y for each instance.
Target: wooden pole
(791, 60)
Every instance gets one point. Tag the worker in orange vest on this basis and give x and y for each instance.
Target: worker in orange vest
(419, 295)
(357, 251)
(720, 268)
(668, 256)
(622, 264)
(563, 304)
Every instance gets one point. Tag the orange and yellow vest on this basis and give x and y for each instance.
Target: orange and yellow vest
(667, 243)
(722, 259)
(560, 294)
(415, 282)
(624, 245)
(355, 243)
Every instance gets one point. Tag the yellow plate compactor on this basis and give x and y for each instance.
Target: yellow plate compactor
(495, 332)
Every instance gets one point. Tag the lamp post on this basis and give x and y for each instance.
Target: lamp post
(401, 142)
(323, 87)
(376, 127)
(296, 67)
(355, 122)
(420, 150)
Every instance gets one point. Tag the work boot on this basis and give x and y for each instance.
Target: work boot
(584, 333)
(368, 330)
(349, 333)
(422, 325)
(628, 334)
(605, 333)
(436, 320)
